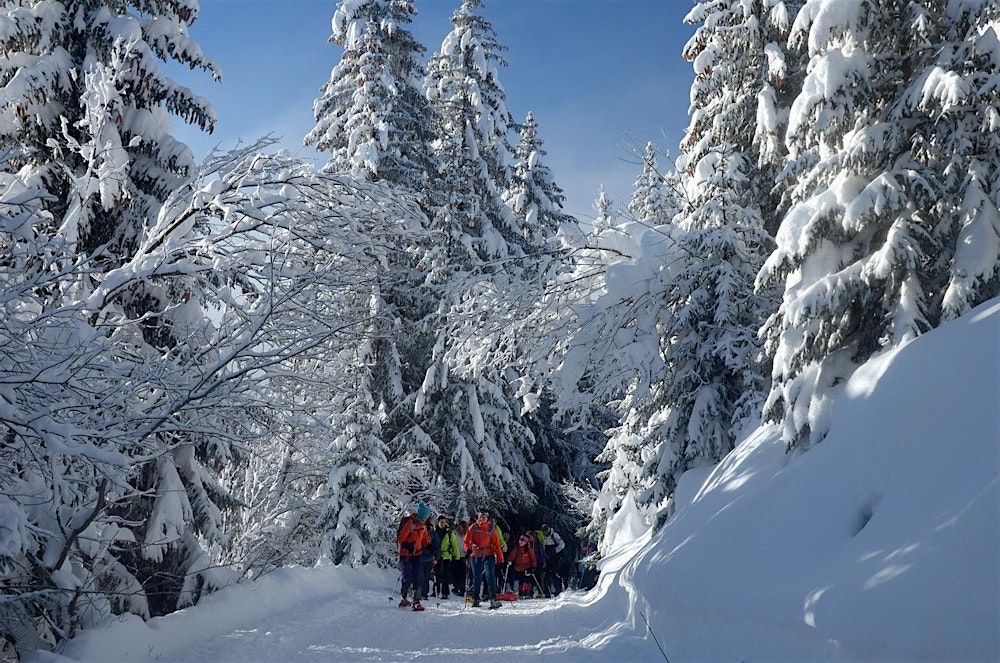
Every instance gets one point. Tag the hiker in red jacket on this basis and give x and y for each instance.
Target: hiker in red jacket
(523, 562)
(483, 545)
(412, 538)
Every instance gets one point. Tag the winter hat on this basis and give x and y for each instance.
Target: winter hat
(423, 511)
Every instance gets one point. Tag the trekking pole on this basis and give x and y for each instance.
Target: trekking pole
(538, 585)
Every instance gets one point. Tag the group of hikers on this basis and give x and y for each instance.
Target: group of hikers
(468, 559)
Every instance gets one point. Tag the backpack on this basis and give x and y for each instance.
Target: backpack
(407, 546)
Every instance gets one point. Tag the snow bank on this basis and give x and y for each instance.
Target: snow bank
(882, 542)
(130, 639)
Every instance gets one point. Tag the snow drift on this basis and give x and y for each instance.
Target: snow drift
(879, 543)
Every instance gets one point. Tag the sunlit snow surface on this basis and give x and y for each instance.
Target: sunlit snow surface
(882, 542)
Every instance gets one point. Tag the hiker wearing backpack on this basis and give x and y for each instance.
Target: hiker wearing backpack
(484, 548)
(448, 555)
(412, 537)
(522, 565)
(554, 546)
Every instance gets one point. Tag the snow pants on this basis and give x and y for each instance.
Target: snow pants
(553, 573)
(458, 577)
(426, 569)
(412, 569)
(444, 572)
(484, 568)
(515, 578)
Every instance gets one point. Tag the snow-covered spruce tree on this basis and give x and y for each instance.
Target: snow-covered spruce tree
(376, 123)
(882, 218)
(466, 422)
(86, 110)
(534, 197)
(472, 48)
(604, 211)
(715, 378)
(744, 82)
(361, 496)
(651, 203)
(613, 304)
(372, 116)
(957, 104)
(561, 456)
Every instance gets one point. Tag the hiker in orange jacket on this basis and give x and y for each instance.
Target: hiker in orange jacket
(412, 538)
(483, 545)
(523, 562)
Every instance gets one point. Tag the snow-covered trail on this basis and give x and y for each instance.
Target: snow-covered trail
(368, 626)
(331, 613)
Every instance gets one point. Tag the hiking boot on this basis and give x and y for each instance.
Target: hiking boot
(476, 603)
(445, 596)
(494, 604)
(404, 604)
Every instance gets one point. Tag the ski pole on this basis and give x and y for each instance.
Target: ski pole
(537, 584)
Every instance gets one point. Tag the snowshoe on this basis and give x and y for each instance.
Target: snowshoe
(404, 604)
(495, 604)
(418, 608)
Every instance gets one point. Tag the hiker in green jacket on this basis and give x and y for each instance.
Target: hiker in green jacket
(447, 554)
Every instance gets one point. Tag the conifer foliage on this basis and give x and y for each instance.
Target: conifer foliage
(372, 116)
(715, 370)
(360, 496)
(892, 224)
(85, 108)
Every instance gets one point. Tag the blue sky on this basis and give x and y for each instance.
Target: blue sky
(599, 75)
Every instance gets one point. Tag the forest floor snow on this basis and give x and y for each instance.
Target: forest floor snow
(338, 614)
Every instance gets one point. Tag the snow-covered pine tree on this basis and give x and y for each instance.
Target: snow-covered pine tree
(534, 198)
(857, 248)
(650, 202)
(372, 116)
(88, 106)
(467, 423)
(715, 377)
(361, 495)
(956, 102)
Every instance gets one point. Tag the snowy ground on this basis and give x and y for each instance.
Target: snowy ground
(881, 543)
(333, 614)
